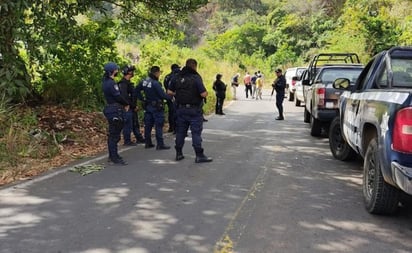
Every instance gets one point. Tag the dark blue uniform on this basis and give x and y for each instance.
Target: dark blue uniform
(170, 104)
(154, 109)
(280, 85)
(131, 123)
(187, 86)
(114, 112)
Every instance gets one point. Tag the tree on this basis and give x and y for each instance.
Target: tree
(42, 30)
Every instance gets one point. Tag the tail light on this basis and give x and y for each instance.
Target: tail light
(402, 131)
(320, 92)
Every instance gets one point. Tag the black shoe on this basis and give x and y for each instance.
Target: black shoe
(140, 140)
(203, 159)
(170, 130)
(179, 156)
(205, 120)
(118, 162)
(131, 143)
(162, 147)
(149, 146)
(280, 118)
(221, 113)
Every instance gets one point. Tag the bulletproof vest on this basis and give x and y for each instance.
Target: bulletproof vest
(186, 90)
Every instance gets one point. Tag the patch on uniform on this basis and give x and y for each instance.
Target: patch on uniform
(116, 87)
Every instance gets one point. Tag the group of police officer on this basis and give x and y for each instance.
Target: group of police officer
(185, 93)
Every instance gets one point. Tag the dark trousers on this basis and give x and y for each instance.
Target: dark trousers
(114, 116)
(279, 103)
(131, 124)
(154, 117)
(219, 105)
(248, 88)
(193, 118)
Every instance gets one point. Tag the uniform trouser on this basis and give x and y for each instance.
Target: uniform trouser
(253, 90)
(131, 124)
(248, 88)
(219, 105)
(171, 115)
(279, 103)
(189, 117)
(154, 117)
(114, 116)
(136, 126)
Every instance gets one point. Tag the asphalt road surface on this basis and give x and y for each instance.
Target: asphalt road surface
(271, 188)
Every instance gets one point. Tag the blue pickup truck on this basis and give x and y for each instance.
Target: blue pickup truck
(375, 122)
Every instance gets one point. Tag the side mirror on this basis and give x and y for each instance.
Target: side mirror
(341, 84)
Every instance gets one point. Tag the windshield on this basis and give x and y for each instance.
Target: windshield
(330, 75)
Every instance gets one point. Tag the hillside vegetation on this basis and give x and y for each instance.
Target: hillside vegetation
(52, 52)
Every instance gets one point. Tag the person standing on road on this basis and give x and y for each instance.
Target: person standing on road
(248, 85)
(280, 85)
(220, 89)
(189, 91)
(116, 106)
(235, 84)
(259, 87)
(154, 107)
(131, 123)
(253, 82)
(171, 107)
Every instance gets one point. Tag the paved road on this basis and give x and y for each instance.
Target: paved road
(271, 188)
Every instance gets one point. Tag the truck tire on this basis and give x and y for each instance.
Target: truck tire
(315, 127)
(338, 146)
(297, 101)
(379, 196)
(306, 116)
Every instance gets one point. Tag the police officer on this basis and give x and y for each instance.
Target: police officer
(114, 110)
(189, 92)
(154, 107)
(170, 105)
(279, 86)
(131, 123)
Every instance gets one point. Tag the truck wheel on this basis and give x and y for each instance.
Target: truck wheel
(297, 102)
(379, 196)
(315, 127)
(291, 96)
(338, 146)
(306, 116)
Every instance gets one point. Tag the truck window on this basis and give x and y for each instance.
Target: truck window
(364, 76)
(401, 72)
(382, 80)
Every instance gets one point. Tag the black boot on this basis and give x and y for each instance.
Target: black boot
(162, 147)
(201, 158)
(179, 154)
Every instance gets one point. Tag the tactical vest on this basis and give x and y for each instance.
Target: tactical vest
(186, 90)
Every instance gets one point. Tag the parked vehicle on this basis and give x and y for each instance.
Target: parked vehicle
(375, 122)
(299, 98)
(321, 102)
(291, 76)
(320, 97)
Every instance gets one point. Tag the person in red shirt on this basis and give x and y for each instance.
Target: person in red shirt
(248, 84)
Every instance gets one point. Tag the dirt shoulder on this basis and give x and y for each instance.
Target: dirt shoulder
(60, 137)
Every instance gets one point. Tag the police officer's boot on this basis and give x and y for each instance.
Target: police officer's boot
(179, 154)
(201, 158)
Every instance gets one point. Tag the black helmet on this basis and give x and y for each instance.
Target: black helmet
(127, 69)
